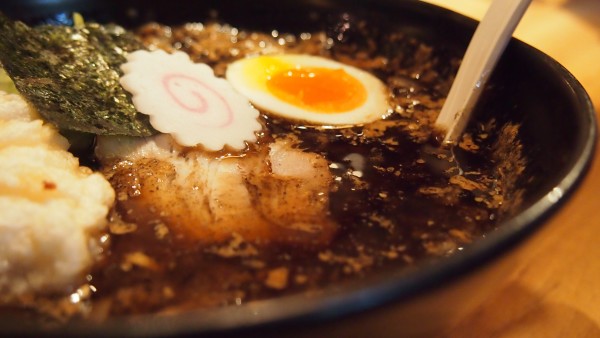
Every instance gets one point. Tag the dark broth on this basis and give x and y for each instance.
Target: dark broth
(398, 198)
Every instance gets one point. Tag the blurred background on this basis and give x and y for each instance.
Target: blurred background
(567, 30)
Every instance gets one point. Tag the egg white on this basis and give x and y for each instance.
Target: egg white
(249, 77)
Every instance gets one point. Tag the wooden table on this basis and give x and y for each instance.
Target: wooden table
(555, 289)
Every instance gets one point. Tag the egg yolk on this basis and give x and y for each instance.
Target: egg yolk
(322, 90)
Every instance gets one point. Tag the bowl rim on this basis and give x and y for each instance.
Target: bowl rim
(355, 298)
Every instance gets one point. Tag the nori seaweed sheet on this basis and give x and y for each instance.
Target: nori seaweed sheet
(71, 75)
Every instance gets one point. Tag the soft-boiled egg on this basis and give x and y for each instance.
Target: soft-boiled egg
(310, 88)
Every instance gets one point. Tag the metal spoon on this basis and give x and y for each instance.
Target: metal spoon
(486, 47)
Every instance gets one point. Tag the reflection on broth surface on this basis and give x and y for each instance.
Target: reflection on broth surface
(306, 206)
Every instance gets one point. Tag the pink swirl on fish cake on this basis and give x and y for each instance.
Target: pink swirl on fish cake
(196, 89)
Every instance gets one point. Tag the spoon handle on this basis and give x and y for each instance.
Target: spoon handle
(486, 46)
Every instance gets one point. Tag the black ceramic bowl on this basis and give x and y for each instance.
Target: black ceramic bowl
(558, 134)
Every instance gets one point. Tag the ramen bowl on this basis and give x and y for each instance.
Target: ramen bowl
(528, 88)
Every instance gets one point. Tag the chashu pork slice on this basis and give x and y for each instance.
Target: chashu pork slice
(277, 194)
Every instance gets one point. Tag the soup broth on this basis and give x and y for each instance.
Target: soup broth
(395, 197)
(398, 198)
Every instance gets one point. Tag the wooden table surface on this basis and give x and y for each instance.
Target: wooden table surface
(555, 289)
